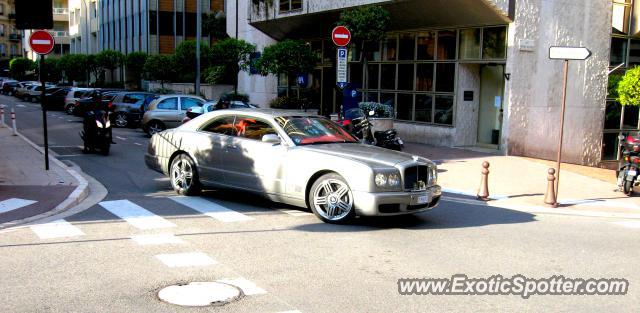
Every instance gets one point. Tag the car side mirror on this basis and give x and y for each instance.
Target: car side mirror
(271, 138)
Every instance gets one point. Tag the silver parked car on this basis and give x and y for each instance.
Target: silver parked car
(295, 158)
(167, 111)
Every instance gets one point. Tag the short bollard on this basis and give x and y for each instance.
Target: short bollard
(1, 114)
(13, 122)
(483, 191)
(550, 195)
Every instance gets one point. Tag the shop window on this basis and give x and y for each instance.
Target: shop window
(390, 49)
(446, 45)
(610, 146)
(388, 76)
(443, 113)
(424, 77)
(373, 51)
(355, 74)
(424, 108)
(405, 76)
(371, 97)
(445, 77)
(404, 107)
(494, 43)
(426, 45)
(634, 52)
(630, 117)
(620, 19)
(612, 115)
(618, 51)
(388, 99)
(290, 5)
(328, 52)
(470, 44)
(373, 74)
(407, 47)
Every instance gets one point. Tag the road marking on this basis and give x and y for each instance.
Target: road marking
(136, 215)
(13, 204)
(56, 229)
(137, 144)
(248, 287)
(121, 138)
(21, 105)
(628, 224)
(293, 311)
(186, 259)
(211, 209)
(295, 212)
(157, 239)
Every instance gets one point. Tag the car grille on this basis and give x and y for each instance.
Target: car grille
(416, 177)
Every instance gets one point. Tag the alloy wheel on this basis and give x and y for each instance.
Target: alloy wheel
(182, 174)
(155, 128)
(333, 199)
(121, 120)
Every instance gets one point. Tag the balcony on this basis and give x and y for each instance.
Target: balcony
(61, 14)
(15, 37)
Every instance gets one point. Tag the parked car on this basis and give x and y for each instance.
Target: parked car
(212, 106)
(34, 93)
(81, 105)
(268, 152)
(167, 111)
(126, 108)
(23, 90)
(71, 97)
(8, 87)
(54, 98)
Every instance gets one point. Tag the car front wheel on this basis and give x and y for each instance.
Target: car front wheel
(331, 200)
(184, 176)
(155, 127)
(120, 119)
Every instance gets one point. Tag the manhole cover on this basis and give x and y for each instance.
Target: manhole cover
(200, 294)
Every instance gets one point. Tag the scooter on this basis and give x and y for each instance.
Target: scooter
(629, 165)
(96, 132)
(357, 122)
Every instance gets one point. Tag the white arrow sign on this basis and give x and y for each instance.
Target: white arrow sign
(569, 53)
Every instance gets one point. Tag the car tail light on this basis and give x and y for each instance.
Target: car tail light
(110, 105)
(626, 158)
(636, 160)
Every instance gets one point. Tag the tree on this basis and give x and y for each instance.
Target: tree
(185, 59)
(51, 69)
(94, 68)
(160, 67)
(109, 60)
(134, 62)
(629, 87)
(74, 66)
(215, 25)
(19, 67)
(366, 24)
(289, 57)
(234, 55)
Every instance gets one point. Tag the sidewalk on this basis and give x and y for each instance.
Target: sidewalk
(520, 183)
(27, 191)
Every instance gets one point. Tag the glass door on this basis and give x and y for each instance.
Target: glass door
(491, 105)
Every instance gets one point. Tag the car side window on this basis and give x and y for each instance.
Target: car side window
(187, 103)
(221, 125)
(133, 98)
(78, 94)
(168, 104)
(251, 128)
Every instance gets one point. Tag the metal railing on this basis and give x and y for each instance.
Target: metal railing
(60, 11)
(59, 33)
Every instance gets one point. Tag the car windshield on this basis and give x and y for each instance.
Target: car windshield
(309, 130)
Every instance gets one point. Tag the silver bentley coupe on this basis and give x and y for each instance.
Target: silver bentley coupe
(295, 158)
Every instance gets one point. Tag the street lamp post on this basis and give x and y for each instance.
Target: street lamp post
(198, 36)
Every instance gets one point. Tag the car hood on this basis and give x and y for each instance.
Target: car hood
(371, 155)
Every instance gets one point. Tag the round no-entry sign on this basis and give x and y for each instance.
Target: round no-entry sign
(41, 42)
(341, 36)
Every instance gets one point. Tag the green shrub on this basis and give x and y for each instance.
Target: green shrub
(629, 87)
(381, 110)
(232, 96)
(288, 103)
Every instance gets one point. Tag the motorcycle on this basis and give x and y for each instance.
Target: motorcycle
(358, 123)
(629, 165)
(96, 132)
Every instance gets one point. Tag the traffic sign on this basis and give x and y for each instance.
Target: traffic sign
(569, 53)
(341, 68)
(341, 36)
(41, 42)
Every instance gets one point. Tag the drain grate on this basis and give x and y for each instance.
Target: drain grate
(200, 294)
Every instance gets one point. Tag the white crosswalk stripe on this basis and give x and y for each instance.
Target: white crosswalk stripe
(211, 209)
(136, 215)
(186, 259)
(248, 287)
(56, 229)
(13, 204)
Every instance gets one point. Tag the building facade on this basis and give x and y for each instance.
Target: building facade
(10, 37)
(60, 31)
(479, 78)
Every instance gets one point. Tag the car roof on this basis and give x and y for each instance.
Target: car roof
(266, 114)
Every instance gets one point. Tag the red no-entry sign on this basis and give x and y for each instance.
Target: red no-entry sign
(341, 36)
(41, 42)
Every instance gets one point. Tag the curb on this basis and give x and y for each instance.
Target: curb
(80, 193)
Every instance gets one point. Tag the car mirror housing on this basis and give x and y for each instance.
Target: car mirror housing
(271, 138)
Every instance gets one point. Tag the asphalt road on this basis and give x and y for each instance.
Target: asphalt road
(287, 259)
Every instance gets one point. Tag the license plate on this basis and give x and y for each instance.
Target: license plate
(632, 173)
(423, 199)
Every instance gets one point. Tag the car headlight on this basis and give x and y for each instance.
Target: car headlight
(387, 179)
(433, 175)
(381, 180)
(393, 180)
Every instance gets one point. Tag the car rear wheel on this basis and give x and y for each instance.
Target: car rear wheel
(155, 127)
(69, 109)
(120, 119)
(331, 200)
(184, 176)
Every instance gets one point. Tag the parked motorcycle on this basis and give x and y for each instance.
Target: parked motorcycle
(358, 123)
(96, 132)
(629, 164)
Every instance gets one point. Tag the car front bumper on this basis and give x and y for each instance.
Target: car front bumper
(396, 203)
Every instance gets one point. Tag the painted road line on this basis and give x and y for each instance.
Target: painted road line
(121, 138)
(136, 215)
(294, 311)
(56, 229)
(629, 224)
(211, 209)
(248, 287)
(186, 259)
(295, 212)
(21, 105)
(13, 204)
(137, 144)
(157, 239)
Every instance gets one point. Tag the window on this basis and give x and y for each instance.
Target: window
(445, 77)
(390, 49)
(251, 128)
(290, 5)
(446, 45)
(166, 23)
(186, 103)
(620, 19)
(424, 77)
(405, 76)
(168, 104)
(494, 43)
(133, 97)
(388, 76)
(618, 51)
(373, 76)
(426, 45)
(443, 113)
(424, 107)
(470, 44)
(1, 9)
(407, 47)
(221, 125)
(404, 108)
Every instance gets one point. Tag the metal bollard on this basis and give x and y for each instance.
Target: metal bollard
(1, 114)
(483, 191)
(13, 122)
(550, 195)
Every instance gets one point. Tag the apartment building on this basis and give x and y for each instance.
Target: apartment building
(464, 73)
(10, 37)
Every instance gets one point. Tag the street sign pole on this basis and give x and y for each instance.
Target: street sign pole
(44, 114)
(42, 43)
(341, 68)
